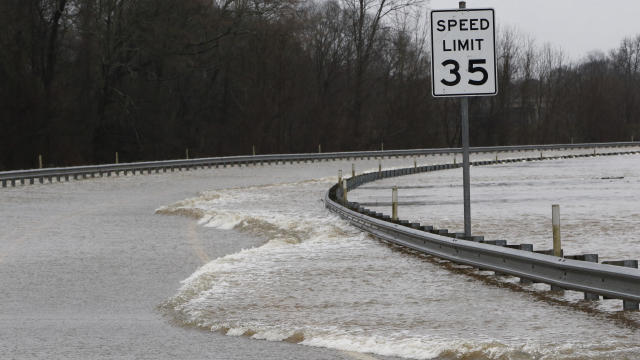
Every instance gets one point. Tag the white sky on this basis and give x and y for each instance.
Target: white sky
(575, 26)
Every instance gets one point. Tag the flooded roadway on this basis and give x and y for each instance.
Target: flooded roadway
(154, 267)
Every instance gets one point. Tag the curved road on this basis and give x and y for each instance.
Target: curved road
(85, 266)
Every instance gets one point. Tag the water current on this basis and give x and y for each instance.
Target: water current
(318, 281)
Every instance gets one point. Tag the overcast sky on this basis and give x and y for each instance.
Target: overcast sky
(577, 26)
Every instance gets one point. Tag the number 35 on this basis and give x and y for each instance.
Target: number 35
(455, 71)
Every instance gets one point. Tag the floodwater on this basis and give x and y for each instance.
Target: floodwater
(205, 264)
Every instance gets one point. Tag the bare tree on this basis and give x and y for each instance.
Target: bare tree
(366, 19)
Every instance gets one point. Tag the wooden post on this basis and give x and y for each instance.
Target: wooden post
(343, 185)
(253, 150)
(455, 159)
(394, 203)
(415, 163)
(117, 158)
(353, 170)
(379, 166)
(40, 161)
(555, 222)
(496, 157)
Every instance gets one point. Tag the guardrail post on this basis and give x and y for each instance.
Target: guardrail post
(526, 247)
(353, 170)
(626, 304)
(253, 150)
(379, 166)
(117, 159)
(591, 258)
(40, 161)
(394, 203)
(382, 146)
(541, 155)
(496, 158)
(455, 159)
(186, 153)
(415, 163)
(319, 148)
(340, 176)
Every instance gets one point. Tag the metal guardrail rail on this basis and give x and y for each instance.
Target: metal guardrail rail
(592, 278)
(23, 176)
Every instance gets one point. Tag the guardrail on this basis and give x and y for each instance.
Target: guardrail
(65, 173)
(592, 278)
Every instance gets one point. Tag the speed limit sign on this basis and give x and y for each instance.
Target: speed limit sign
(463, 60)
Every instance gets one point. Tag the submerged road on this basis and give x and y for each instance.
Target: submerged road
(85, 267)
(90, 270)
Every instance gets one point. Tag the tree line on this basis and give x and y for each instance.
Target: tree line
(83, 79)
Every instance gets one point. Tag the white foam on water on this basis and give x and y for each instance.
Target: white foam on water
(319, 282)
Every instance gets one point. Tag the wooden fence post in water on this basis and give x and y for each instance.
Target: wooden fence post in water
(555, 223)
(557, 243)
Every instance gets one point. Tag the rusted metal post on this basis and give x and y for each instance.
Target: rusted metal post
(394, 203)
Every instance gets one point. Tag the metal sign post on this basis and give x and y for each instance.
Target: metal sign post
(466, 182)
(463, 64)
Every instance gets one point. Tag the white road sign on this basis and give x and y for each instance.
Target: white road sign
(463, 60)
